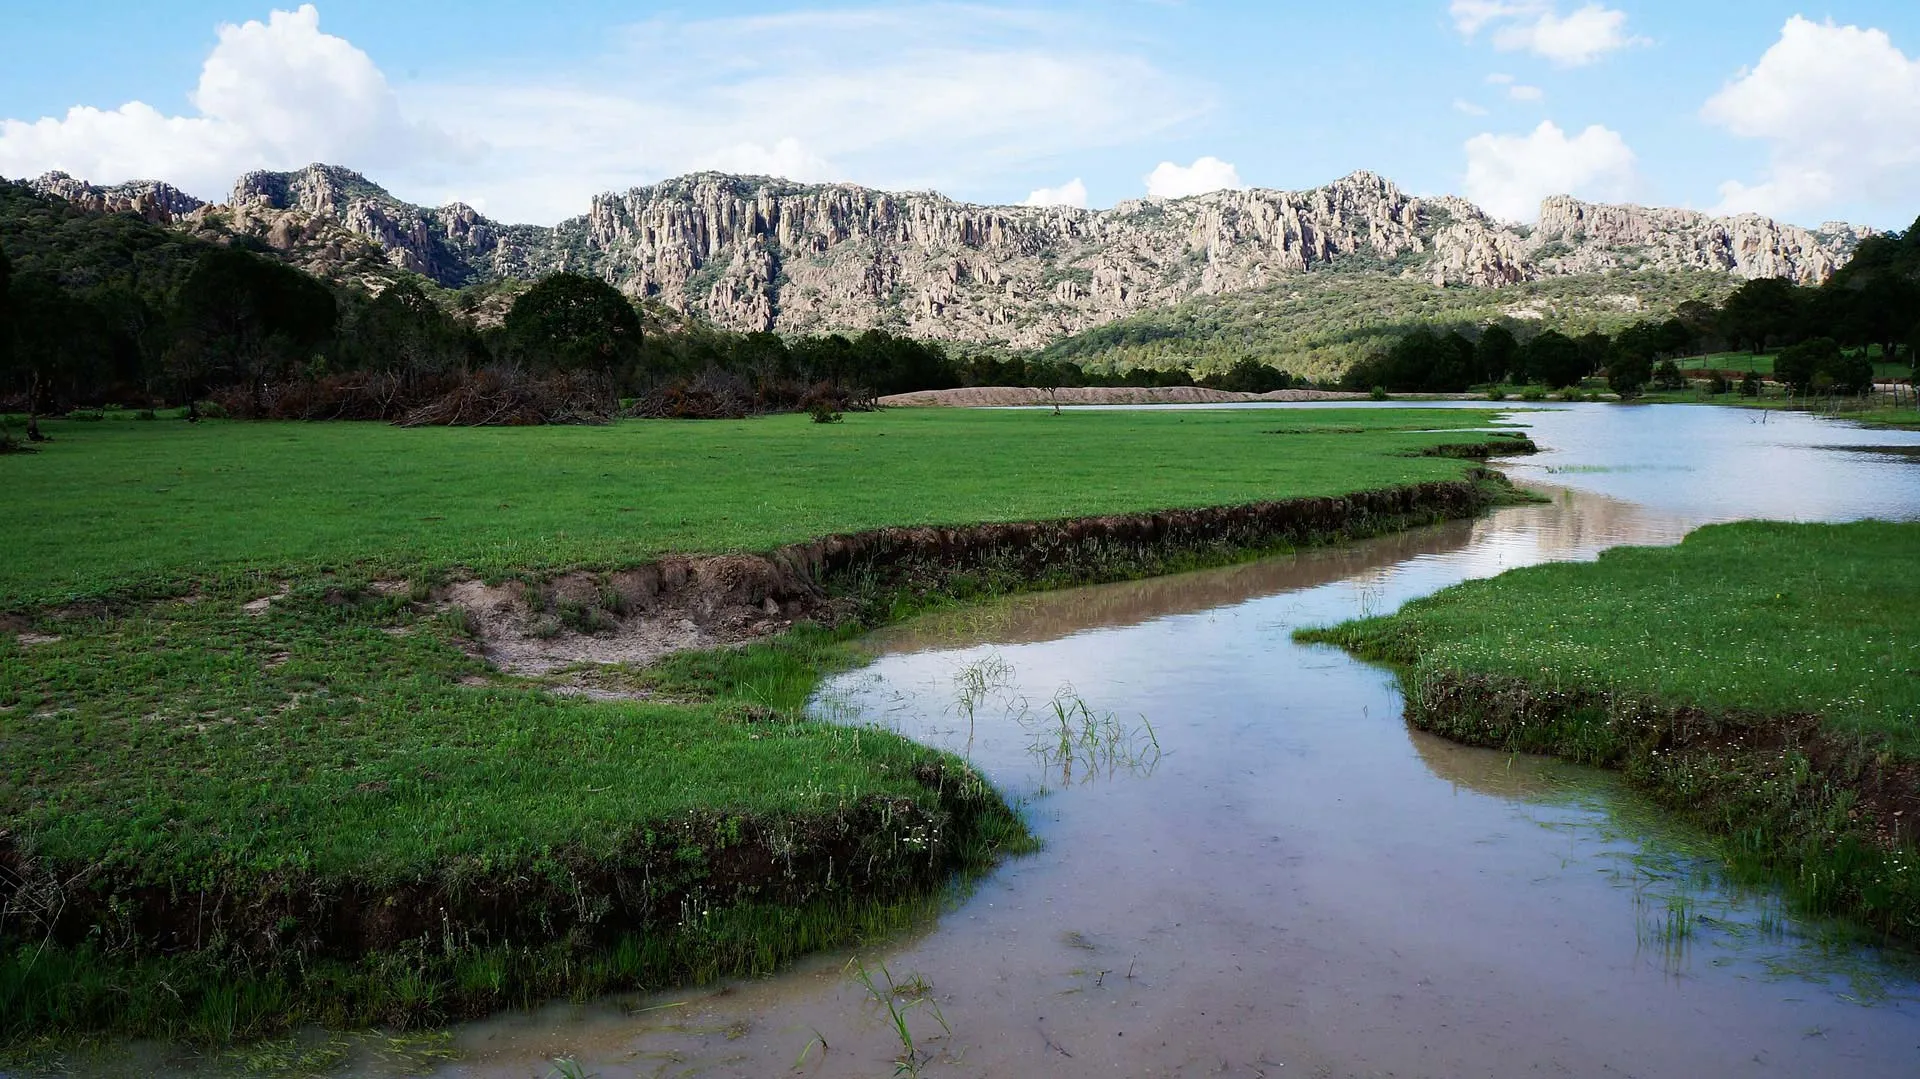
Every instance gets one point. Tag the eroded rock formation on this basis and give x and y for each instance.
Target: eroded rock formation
(755, 253)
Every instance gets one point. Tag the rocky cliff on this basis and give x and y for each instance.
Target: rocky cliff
(756, 253)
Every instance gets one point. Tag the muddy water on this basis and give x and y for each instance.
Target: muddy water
(1252, 866)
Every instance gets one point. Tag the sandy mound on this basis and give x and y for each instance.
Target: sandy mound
(991, 396)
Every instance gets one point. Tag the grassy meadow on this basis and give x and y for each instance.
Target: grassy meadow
(111, 506)
(227, 819)
(1760, 675)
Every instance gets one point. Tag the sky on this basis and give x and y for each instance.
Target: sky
(526, 111)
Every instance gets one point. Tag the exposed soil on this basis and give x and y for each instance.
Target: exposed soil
(1787, 777)
(639, 615)
(993, 396)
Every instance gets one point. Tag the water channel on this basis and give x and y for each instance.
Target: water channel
(1256, 869)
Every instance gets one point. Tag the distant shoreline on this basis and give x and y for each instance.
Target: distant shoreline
(990, 396)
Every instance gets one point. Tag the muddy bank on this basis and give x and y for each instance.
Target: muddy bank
(1002, 396)
(1834, 817)
(639, 615)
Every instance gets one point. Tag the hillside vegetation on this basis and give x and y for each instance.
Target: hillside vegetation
(1317, 325)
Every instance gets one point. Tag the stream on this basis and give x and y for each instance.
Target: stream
(1252, 867)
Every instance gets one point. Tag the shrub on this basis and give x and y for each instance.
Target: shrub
(1750, 384)
(1379, 393)
(1717, 384)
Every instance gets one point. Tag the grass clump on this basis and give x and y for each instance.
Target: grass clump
(1760, 676)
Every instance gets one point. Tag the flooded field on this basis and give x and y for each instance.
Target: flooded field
(1253, 868)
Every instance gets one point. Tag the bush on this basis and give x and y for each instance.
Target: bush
(821, 413)
(1667, 376)
(1717, 384)
(1379, 393)
(1750, 384)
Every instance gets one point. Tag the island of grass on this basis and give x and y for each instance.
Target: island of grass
(265, 767)
(1762, 677)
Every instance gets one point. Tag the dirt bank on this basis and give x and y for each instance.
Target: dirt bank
(1833, 816)
(991, 396)
(639, 615)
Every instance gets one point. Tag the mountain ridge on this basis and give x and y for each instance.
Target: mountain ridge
(764, 253)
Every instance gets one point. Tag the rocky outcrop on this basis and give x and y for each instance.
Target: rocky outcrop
(151, 200)
(1580, 237)
(757, 253)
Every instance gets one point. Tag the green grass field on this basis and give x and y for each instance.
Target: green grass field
(1763, 363)
(107, 506)
(271, 766)
(1751, 626)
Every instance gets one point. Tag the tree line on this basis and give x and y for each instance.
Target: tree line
(103, 309)
(1825, 336)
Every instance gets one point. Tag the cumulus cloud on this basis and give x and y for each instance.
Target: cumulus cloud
(948, 96)
(1840, 108)
(1536, 26)
(1171, 181)
(1072, 193)
(785, 158)
(273, 94)
(955, 98)
(1508, 175)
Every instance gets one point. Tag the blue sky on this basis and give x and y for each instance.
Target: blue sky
(527, 110)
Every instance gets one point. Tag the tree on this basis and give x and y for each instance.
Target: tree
(1701, 319)
(248, 319)
(1496, 353)
(48, 329)
(1555, 359)
(1759, 312)
(1802, 366)
(403, 332)
(569, 322)
(1628, 371)
(1248, 375)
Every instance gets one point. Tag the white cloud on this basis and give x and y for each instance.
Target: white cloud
(1171, 181)
(1508, 175)
(1840, 107)
(1536, 26)
(1499, 79)
(948, 96)
(954, 98)
(273, 94)
(785, 158)
(1072, 193)
(1525, 93)
(1461, 104)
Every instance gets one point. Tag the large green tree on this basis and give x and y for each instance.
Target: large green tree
(403, 332)
(1555, 359)
(570, 322)
(1760, 313)
(249, 320)
(1496, 353)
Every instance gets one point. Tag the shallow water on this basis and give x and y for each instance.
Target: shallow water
(1252, 866)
